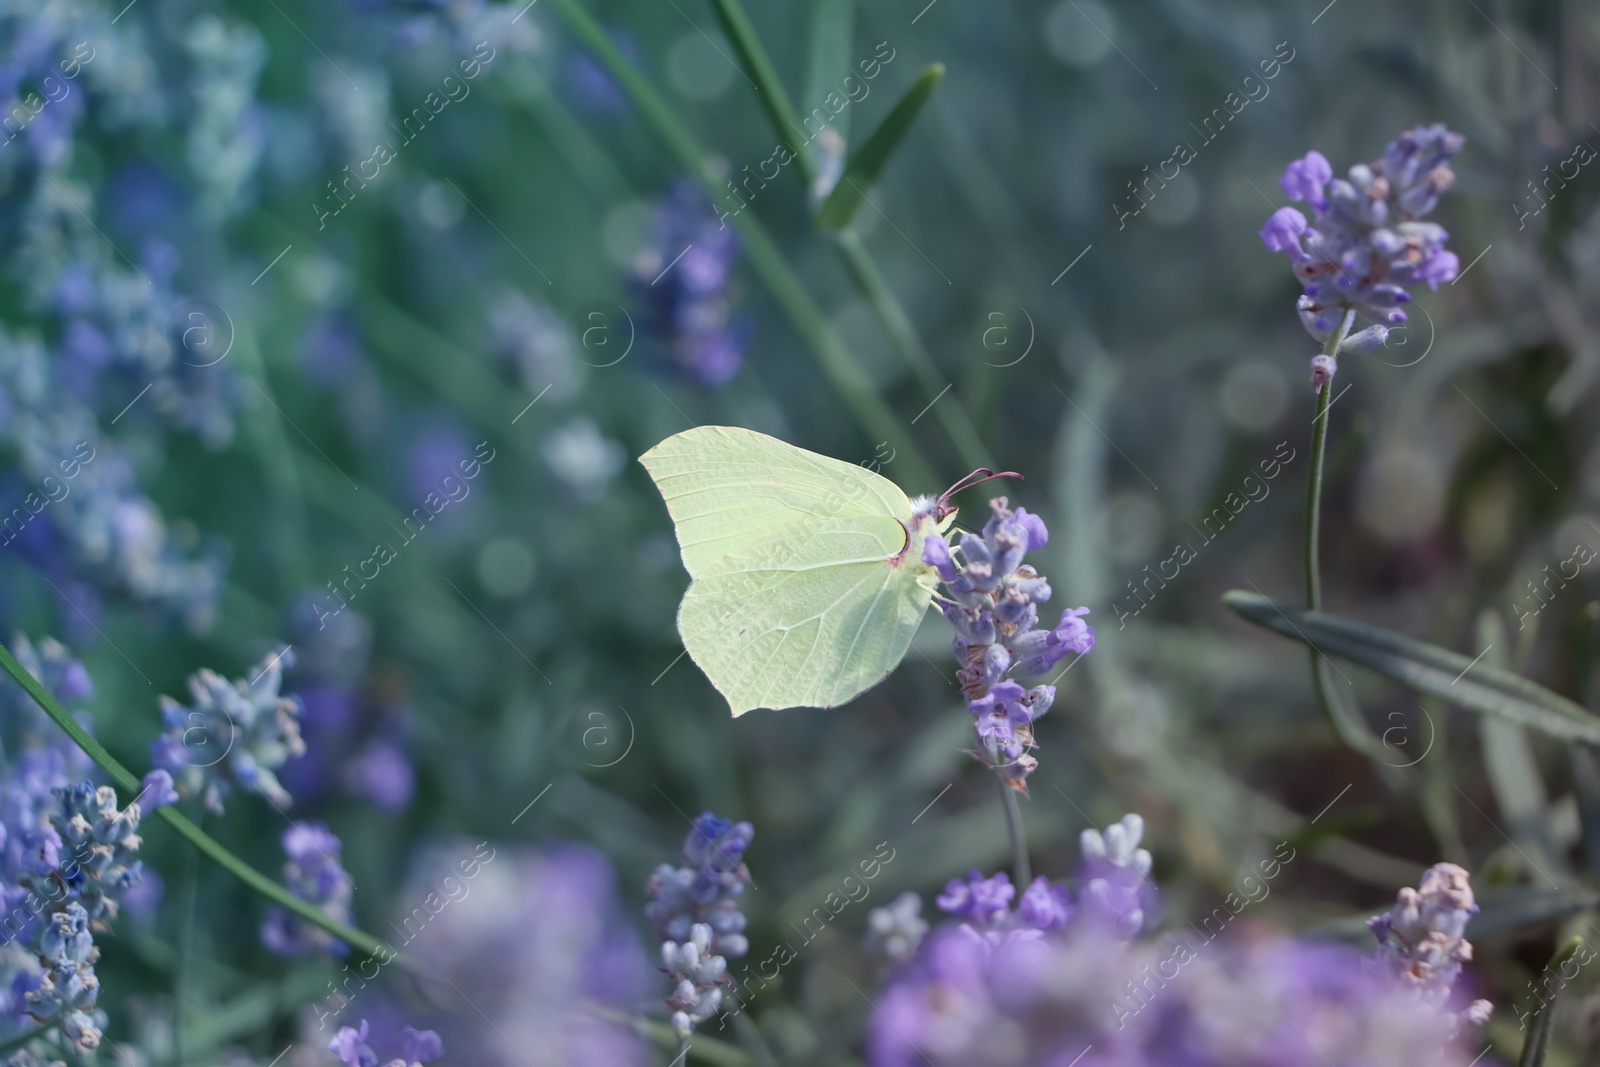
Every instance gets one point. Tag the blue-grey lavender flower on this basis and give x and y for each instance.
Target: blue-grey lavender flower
(67, 987)
(1422, 940)
(992, 600)
(416, 1047)
(705, 887)
(695, 910)
(1366, 242)
(235, 735)
(697, 975)
(313, 873)
(85, 854)
(681, 279)
(895, 930)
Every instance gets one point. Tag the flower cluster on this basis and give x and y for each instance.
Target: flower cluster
(1051, 982)
(416, 1047)
(68, 857)
(681, 278)
(695, 910)
(992, 599)
(1422, 939)
(313, 874)
(1366, 241)
(236, 735)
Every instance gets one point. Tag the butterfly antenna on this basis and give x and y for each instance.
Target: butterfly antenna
(977, 477)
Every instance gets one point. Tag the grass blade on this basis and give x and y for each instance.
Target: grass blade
(866, 165)
(832, 26)
(1462, 681)
(774, 98)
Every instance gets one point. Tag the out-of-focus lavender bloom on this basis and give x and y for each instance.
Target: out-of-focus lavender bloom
(537, 943)
(695, 910)
(1422, 939)
(227, 132)
(895, 930)
(1026, 988)
(1116, 876)
(992, 600)
(382, 774)
(1366, 242)
(416, 1047)
(681, 278)
(236, 735)
(460, 25)
(312, 873)
(583, 460)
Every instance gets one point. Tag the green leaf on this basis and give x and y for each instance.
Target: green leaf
(736, 24)
(1459, 679)
(866, 165)
(1538, 1043)
(831, 29)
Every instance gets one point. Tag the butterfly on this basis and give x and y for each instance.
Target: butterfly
(808, 579)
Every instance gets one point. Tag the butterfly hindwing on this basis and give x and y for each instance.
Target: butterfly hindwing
(811, 622)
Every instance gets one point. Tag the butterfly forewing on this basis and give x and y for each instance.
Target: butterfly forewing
(729, 489)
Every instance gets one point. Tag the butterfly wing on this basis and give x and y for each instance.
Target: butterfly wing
(729, 489)
(808, 618)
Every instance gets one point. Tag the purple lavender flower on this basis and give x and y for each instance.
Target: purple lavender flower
(313, 873)
(992, 600)
(682, 279)
(1046, 985)
(416, 1047)
(536, 941)
(695, 910)
(1366, 242)
(982, 902)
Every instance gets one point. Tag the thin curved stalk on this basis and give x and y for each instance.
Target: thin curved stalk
(1346, 719)
(837, 363)
(215, 850)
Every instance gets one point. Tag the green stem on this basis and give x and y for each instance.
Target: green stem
(125, 780)
(181, 975)
(1019, 844)
(837, 363)
(779, 108)
(952, 416)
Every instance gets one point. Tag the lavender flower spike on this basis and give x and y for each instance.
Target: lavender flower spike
(235, 735)
(1422, 939)
(695, 910)
(312, 873)
(1366, 243)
